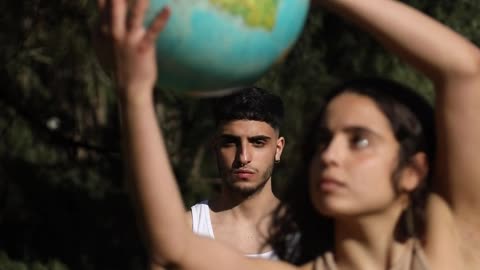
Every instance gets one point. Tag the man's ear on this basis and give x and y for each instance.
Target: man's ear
(415, 172)
(279, 150)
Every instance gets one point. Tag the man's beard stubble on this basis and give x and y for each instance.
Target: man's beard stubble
(245, 192)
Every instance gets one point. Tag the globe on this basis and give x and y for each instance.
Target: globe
(214, 46)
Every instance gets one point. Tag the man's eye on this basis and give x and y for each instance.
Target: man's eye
(227, 143)
(258, 143)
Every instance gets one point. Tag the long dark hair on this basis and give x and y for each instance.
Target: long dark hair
(299, 233)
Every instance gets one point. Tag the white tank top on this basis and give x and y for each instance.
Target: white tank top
(202, 225)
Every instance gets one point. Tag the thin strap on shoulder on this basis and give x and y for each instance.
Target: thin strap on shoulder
(330, 261)
(325, 262)
(317, 262)
(419, 259)
(413, 258)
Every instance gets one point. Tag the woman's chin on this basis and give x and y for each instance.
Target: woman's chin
(334, 210)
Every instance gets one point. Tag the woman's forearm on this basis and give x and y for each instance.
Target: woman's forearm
(153, 182)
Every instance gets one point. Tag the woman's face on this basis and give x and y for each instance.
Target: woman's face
(352, 170)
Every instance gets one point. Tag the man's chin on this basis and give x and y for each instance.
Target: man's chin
(245, 192)
(245, 189)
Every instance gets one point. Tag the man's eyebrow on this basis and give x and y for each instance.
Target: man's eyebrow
(229, 137)
(259, 137)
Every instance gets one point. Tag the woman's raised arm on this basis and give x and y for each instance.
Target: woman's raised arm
(453, 65)
(127, 47)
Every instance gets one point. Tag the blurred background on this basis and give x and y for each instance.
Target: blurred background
(63, 204)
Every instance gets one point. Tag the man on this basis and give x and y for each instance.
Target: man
(247, 145)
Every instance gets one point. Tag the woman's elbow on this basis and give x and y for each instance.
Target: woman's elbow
(467, 66)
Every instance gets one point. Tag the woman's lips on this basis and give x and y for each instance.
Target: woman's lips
(328, 184)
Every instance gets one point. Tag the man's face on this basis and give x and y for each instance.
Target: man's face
(246, 151)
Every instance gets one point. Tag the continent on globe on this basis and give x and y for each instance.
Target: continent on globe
(213, 46)
(255, 13)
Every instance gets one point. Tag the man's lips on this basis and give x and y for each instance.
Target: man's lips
(243, 173)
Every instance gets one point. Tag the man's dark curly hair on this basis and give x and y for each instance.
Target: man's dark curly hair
(250, 103)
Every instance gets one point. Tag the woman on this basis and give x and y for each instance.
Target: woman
(409, 125)
(360, 176)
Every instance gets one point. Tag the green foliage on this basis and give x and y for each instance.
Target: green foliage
(62, 199)
(8, 264)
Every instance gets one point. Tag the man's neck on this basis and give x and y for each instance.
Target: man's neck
(235, 207)
(243, 223)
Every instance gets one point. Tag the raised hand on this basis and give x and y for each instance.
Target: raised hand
(126, 47)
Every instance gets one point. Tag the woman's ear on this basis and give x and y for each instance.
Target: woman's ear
(414, 173)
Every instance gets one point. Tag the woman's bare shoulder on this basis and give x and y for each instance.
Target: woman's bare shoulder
(279, 265)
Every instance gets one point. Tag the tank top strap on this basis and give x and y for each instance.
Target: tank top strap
(413, 259)
(419, 259)
(201, 223)
(325, 262)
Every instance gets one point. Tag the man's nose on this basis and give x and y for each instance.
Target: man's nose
(244, 154)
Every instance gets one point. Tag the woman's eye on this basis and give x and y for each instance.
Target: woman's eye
(360, 142)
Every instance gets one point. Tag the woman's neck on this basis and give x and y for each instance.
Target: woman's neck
(367, 242)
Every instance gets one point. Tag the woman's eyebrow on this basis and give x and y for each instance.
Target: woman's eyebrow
(362, 130)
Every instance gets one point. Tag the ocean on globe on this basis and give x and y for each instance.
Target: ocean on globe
(210, 46)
